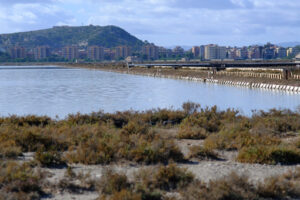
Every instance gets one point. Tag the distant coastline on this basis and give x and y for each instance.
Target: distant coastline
(203, 75)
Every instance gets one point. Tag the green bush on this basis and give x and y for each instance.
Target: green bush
(269, 155)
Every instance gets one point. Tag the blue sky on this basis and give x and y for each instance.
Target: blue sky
(165, 22)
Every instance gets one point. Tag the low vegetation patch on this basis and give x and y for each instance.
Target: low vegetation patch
(20, 181)
(147, 184)
(49, 159)
(103, 138)
(76, 183)
(239, 187)
(202, 153)
(269, 155)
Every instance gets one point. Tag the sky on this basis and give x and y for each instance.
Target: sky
(165, 22)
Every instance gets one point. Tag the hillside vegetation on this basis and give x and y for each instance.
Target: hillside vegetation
(60, 36)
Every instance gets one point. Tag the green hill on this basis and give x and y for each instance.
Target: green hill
(60, 36)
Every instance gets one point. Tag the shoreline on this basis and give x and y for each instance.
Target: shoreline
(203, 76)
(269, 80)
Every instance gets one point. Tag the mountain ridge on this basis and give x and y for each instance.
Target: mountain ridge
(60, 36)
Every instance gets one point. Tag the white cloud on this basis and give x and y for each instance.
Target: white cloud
(165, 21)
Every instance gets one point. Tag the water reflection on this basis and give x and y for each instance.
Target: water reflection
(52, 91)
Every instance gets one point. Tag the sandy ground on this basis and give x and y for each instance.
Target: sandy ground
(203, 170)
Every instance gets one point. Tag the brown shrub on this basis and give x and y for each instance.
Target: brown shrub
(30, 120)
(167, 178)
(135, 127)
(286, 186)
(237, 138)
(199, 125)
(95, 150)
(76, 183)
(276, 122)
(190, 132)
(230, 187)
(202, 153)
(33, 139)
(49, 159)
(263, 154)
(19, 181)
(156, 151)
(112, 182)
(172, 177)
(9, 149)
(122, 195)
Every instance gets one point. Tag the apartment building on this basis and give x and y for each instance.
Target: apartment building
(70, 52)
(41, 52)
(150, 51)
(122, 52)
(95, 53)
(196, 51)
(17, 52)
(214, 52)
(281, 52)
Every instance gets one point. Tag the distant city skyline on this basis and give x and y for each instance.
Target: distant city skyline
(165, 22)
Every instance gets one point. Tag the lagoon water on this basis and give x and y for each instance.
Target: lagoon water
(57, 91)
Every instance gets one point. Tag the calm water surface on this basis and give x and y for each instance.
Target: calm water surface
(56, 91)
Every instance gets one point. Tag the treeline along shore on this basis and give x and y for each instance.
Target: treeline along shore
(267, 78)
(191, 153)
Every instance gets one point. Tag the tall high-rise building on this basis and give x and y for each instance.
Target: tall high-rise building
(289, 51)
(196, 51)
(122, 52)
(214, 52)
(210, 52)
(232, 53)
(70, 52)
(150, 51)
(243, 53)
(281, 52)
(255, 52)
(41, 52)
(95, 53)
(202, 52)
(221, 52)
(295, 51)
(17, 52)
